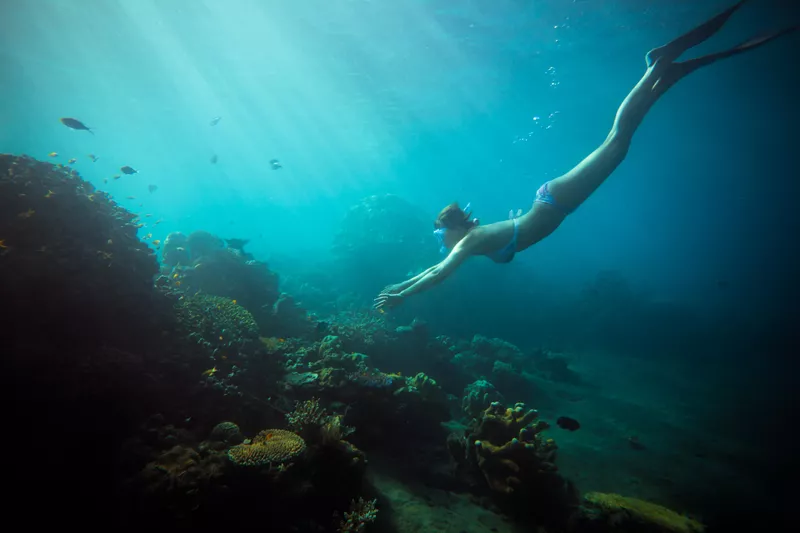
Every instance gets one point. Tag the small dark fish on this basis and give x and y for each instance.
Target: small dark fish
(214, 159)
(570, 424)
(275, 164)
(128, 170)
(94, 158)
(75, 124)
(152, 188)
(215, 121)
(237, 244)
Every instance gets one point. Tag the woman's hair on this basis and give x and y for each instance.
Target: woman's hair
(453, 217)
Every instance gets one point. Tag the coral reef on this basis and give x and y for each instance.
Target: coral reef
(202, 263)
(96, 340)
(71, 261)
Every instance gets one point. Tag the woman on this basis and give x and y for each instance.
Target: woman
(559, 197)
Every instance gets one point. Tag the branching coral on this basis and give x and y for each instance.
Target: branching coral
(362, 512)
(333, 431)
(307, 415)
(315, 424)
(507, 447)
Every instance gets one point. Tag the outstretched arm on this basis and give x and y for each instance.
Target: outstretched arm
(398, 287)
(425, 280)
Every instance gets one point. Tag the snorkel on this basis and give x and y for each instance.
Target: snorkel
(440, 233)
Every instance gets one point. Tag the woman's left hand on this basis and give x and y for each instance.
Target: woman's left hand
(387, 300)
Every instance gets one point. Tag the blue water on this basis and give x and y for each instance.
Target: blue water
(441, 101)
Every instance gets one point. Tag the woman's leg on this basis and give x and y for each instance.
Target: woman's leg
(574, 187)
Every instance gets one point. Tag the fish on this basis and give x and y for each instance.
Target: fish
(215, 121)
(210, 372)
(152, 188)
(148, 236)
(105, 180)
(70, 161)
(49, 194)
(75, 124)
(275, 164)
(156, 242)
(570, 424)
(53, 154)
(94, 158)
(128, 170)
(213, 159)
(116, 176)
(131, 197)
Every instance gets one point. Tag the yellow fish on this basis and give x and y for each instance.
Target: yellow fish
(234, 302)
(49, 194)
(3, 244)
(53, 154)
(210, 372)
(156, 242)
(148, 236)
(70, 161)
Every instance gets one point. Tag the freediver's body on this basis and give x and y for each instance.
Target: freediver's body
(463, 237)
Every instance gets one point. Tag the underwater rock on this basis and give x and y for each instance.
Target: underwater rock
(175, 251)
(226, 272)
(202, 243)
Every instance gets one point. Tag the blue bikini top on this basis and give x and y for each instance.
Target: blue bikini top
(506, 253)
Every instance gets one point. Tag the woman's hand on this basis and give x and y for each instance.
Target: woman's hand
(387, 300)
(393, 289)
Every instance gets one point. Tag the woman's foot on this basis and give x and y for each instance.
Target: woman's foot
(673, 50)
